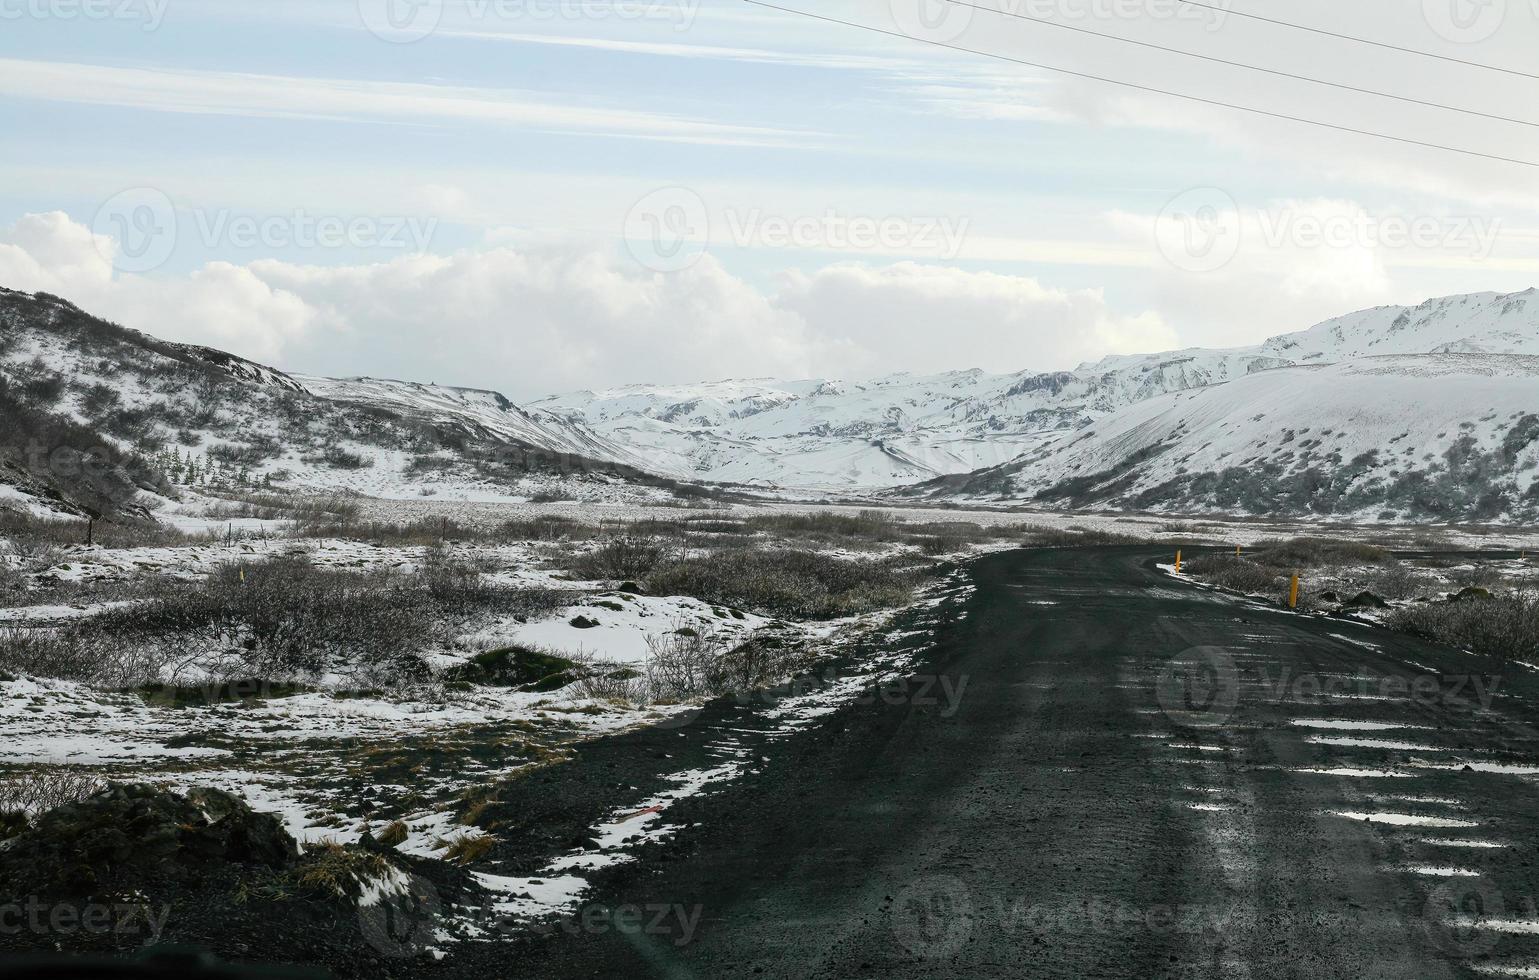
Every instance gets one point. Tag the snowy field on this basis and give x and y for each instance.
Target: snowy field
(1216, 529)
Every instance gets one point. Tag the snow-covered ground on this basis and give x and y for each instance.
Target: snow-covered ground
(304, 751)
(1219, 529)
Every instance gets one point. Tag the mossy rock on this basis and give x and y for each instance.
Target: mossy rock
(609, 604)
(512, 667)
(583, 622)
(1470, 592)
(11, 824)
(1365, 600)
(553, 682)
(247, 689)
(634, 588)
(131, 835)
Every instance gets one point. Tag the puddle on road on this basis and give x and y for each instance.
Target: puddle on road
(1521, 927)
(1505, 970)
(1502, 768)
(1358, 773)
(1435, 871)
(1353, 726)
(1403, 819)
(1209, 807)
(1460, 842)
(1375, 743)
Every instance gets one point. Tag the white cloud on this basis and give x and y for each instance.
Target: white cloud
(221, 305)
(533, 322)
(909, 316)
(292, 97)
(1237, 273)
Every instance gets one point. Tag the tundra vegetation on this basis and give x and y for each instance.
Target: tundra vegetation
(1487, 605)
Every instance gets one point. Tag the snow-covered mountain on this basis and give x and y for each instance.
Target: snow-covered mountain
(95, 418)
(488, 411)
(1413, 412)
(1395, 436)
(906, 428)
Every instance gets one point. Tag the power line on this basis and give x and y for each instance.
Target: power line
(1362, 40)
(1149, 88)
(1240, 64)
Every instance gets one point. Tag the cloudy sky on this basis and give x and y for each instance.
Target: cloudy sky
(546, 195)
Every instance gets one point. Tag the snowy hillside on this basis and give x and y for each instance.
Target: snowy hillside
(487, 410)
(98, 419)
(1412, 436)
(906, 428)
(1479, 323)
(1438, 391)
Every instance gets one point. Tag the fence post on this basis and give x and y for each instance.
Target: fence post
(1178, 561)
(1293, 592)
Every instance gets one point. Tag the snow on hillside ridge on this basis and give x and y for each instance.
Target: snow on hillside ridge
(901, 429)
(182, 415)
(963, 434)
(1395, 436)
(473, 405)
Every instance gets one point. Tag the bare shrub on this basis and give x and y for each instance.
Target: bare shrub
(682, 664)
(342, 459)
(12, 580)
(1396, 580)
(686, 664)
(66, 655)
(612, 683)
(1076, 537)
(29, 533)
(41, 790)
(1504, 625)
(800, 584)
(1234, 572)
(760, 662)
(546, 527)
(625, 556)
(278, 618)
(1318, 552)
(32, 554)
(303, 511)
(1479, 575)
(867, 525)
